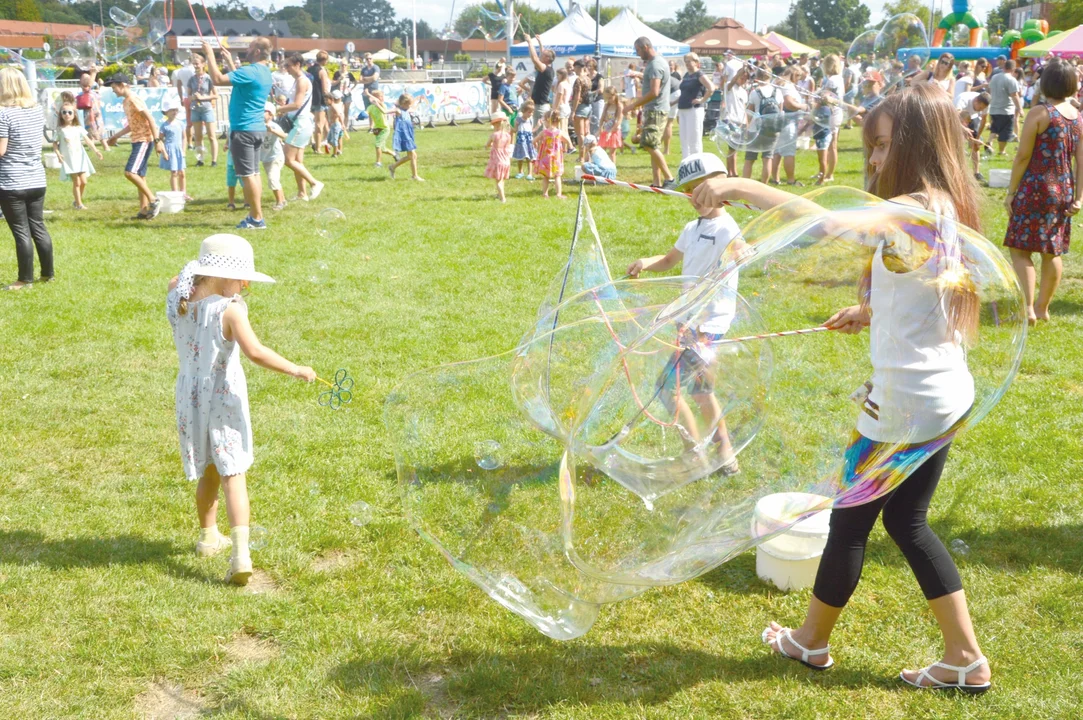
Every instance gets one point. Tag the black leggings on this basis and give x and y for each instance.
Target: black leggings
(906, 511)
(24, 212)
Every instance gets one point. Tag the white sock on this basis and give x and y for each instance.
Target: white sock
(239, 535)
(209, 535)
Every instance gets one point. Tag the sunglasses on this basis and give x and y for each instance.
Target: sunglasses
(66, 112)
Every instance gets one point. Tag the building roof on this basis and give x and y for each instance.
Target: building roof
(231, 28)
(56, 30)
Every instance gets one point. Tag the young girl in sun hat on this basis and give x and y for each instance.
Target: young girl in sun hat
(210, 330)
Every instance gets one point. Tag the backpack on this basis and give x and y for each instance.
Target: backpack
(769, 105)
(84, 100)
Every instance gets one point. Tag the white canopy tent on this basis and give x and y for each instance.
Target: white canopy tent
(619, 35)
(385, 54)
(574, 35)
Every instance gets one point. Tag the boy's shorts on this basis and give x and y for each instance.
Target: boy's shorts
(687, 369)
(768, 143)
(822, 136)
(137, 160)
(379, 138)
(231, 176)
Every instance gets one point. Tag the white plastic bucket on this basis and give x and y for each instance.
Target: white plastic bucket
(999, 178)
(172, 201)
(51, 162)
(790, 559)
(804, 142)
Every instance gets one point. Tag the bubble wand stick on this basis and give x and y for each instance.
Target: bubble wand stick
(656, 190)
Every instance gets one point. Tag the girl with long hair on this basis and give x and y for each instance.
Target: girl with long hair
(914, 148)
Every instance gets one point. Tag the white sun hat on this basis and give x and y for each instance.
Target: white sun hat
(223, 256)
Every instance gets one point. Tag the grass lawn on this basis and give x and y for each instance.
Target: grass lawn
(105, 612)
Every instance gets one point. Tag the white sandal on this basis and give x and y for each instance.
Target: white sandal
(786, 634)
(924, 674)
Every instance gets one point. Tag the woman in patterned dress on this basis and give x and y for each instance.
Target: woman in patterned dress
(1041, 197)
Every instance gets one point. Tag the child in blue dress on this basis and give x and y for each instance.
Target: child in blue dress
(403, 139)
(210, 331)
(171, 133)
(524, 150)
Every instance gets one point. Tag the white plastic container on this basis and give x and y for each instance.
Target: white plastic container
(804, 142)
(51, 162)
(790, 559)
(172, 201)
(999, 178)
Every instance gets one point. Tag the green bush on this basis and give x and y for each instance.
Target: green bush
(462, 57)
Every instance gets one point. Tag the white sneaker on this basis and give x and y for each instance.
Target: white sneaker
(316, 190)
(239, 571)
(209, 549)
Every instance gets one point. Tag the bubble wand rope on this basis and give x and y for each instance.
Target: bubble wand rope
(764, 336)
(657, 191)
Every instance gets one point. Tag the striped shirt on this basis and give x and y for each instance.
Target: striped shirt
(20, 165)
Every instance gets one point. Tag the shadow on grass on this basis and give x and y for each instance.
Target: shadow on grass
(1065, 307)
(30, 548)
(543, 674)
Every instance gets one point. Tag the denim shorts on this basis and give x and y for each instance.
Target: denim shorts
(202, 113)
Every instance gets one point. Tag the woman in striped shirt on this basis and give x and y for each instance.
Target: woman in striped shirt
(22, 177)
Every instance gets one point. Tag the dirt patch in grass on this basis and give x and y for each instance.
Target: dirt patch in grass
(331, 561)
(260, 584)
(247, 648)
(163, 700)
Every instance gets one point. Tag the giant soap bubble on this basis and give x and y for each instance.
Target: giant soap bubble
(625, 441)
(143, 32)
(899, 49)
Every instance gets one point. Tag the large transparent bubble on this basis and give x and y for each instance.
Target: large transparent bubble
(625, 442)
(79, 48)
(902, 49)
(143, 32)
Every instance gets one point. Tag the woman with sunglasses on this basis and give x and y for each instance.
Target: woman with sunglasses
(942, 76)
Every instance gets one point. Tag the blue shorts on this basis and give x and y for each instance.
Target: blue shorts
(137, 160)
(202, 113)
(823, 137)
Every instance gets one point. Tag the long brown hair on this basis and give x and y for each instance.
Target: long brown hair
(927, 160)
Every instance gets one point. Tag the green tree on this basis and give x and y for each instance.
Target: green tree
(692, 19)
(999, 18)
(796, 25)
(1067, 15)
(915, 7)
(27, 11)
(836, 18)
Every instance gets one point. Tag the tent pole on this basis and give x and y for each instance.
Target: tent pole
(510, 32)
(597, 33)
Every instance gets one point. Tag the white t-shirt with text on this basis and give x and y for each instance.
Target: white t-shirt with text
(703, 241)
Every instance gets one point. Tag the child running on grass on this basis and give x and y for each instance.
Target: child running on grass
(143, 130)
(336, 112)
(701, 247)
(378, 124)
(210, 331)
(611, 137)
(272, 155)
(499, 167)
(524, 150)
(551, 148)
(171, 136)
(74, 160)
(404, 138)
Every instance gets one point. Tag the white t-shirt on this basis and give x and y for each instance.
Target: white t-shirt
(702, 242)
(834, 83)
(629, 85)
(732, 66)
(282, 83)
(182, 75)
(962, 85)
(965, 102)
(762, 92)
(736, 104)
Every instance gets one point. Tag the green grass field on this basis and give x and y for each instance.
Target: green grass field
(105, 612)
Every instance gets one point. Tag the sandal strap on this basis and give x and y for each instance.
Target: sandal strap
(963, 671)
(805, 652)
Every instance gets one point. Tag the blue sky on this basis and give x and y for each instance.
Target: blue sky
(437, 12)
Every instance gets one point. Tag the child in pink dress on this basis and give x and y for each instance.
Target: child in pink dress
(551, 148)
(499, 145)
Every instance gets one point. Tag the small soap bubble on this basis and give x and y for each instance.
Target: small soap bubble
(959, 547)
(256, 13)
(330, 223)
(257, 538)
(360, 513)
(487, 454)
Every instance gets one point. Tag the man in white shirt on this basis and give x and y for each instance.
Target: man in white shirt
(180, 79)
(282, 83)
(142, 71)
(973, 111)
